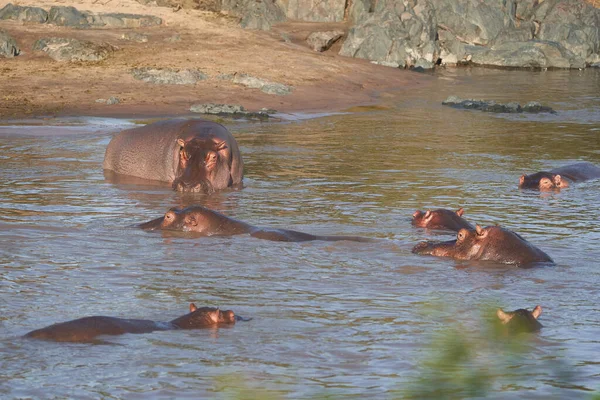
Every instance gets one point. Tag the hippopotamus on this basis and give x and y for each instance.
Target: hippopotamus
(492, 243)
(192, 155)
(207, 222)
(88, 328)
(561, 177)
(520, 320)
(441, 219)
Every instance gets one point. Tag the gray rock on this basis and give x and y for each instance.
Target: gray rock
(531, 54)
(63, 49)
(254, 14)
(492, 106)
(67, 16)
(168, 76)
(111, 100)
(24, 14)
(119, 20)
(8, 46)
(135, 37)
(266, 86)
(396, 32)
(232, 110)
(314, 10)
(321, 41)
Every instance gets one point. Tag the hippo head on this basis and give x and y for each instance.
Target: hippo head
(203, 317)
(542, 181)
(435, 218)
(196, 219)
(204, 165)
(520, 320)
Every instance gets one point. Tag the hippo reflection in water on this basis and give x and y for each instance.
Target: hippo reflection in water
(441, 219)
(520, 320)
(558, 178)
(88, 328)
(206, 222)
(492, 243)
(191, 155)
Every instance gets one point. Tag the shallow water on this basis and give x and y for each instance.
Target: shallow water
(328, 318)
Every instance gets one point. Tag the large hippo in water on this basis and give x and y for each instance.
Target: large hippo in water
(441, 219)
(558, 178)
(88, 328)
(207, 222)
(520, 320)
(492, 243)
(192, 155)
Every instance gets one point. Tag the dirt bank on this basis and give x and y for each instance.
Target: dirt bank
(32, 84)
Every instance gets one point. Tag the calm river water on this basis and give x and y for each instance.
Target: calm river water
(337, 319)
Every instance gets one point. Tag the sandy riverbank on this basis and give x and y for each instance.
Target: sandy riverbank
(32, 84)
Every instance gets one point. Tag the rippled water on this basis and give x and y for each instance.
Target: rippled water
(328, 318)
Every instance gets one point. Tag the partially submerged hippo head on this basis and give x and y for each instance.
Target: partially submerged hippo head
(204, 164)
(542, 181)
(441, 219)
(197, 219)
(203, 317)
(492, 243)
(520, 320)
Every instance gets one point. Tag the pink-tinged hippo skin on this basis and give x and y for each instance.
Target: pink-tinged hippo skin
(192, 155)
(441, 219)
(206, 222)
(88, 328)
(492, 243)
(520, 320)
(559, 178)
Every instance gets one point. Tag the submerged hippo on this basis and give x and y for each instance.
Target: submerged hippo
(560, 177)
(492, 243)
(441, 219)
(520, 320)
(88, 328)
(191, 155)
(207, 222)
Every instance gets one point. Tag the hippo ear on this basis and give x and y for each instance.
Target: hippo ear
(417, 213)
(214, 315)
(479, 230)
(557, 180)
(427, 214)
(460, 212)
(181, 142)
(537, 311)
(502, 316)
(193, 307)
(521, 180)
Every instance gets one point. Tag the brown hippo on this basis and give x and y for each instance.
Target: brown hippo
(88, 328)
(193, 155)
(492, 243)
(441, 219)
(520, 320)
(207, 222)
(560, 177)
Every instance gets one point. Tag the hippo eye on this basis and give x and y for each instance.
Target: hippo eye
(169, 216)
(461, 235)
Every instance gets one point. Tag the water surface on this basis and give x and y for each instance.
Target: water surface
(328, 318)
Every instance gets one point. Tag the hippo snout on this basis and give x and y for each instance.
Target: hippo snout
(423, 248)
(201, 187)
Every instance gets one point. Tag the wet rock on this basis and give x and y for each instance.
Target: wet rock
(8, 46)
(321, 41)
(265, 86)
(232, 110)
(254, 14)
(24, 14)
(135, 37)
(64, 49)
(67, 16)
(168, 76)
(492, 106)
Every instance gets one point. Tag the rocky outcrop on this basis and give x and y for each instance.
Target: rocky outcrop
(254, 14)
(24, 14)
(401, 33)
(168, 76)
(67, 16)
(491, 106)
(314, 10)
(119, 20)
(8, 46)
(64, 49)
(322, 41)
